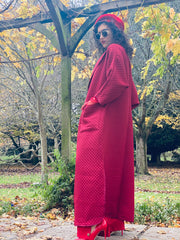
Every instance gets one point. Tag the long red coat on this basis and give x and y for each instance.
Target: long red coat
(104, 177)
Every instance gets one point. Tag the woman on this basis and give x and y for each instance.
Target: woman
(104, 177)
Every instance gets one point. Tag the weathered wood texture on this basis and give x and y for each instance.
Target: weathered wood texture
(57, 19)
(78, 12)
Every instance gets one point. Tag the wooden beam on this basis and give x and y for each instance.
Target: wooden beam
(111, 7)
(50, 35)
(57, 19)
(78, 12)
(61, 6)
(78, 35)
(20, 22)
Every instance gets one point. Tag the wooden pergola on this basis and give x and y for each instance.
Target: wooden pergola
(62, 17)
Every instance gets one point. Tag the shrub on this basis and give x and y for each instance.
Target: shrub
(155, 212)
(19, 206)
(59, 193)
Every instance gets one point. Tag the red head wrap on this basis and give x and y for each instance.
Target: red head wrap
(111, 18)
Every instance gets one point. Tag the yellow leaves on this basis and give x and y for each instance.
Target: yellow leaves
(42, 50)
(11, 56)
(147, 120)
(85, 73)
(79, 21)
(161, 25)
(169, 45)
(31, 31)
(19, 44)
(165, 35)
(80, 43)
(65, 2)
(104, 1)
(23, 12)
(143, 93)
(174, 96)
(23, 9)
(124, 16)
(173, 121)
(140, 14)
(73, 72)
(8, 51)
(134, 52)
(26, 9)
(80, 55)
(161, 21)
(147, 90)
(76, 23)
(32, 45)
(171, 13)
(17, 65)
(22, 83)
(131, 41)
(173, 45)
(57, 59)
(145, 70)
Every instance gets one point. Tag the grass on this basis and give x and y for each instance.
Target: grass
(140, 197)
(6, 158)
(163, 180)
(157, 198)
(154, 193)
(19, 178)
(28, 193)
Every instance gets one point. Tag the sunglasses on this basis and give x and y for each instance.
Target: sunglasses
(104, 34)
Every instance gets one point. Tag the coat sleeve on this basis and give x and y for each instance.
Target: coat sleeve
(116, 67)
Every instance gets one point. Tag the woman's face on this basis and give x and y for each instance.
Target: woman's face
(104, 35)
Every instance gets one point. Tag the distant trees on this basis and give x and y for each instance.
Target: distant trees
(30, 88)
(161, 140)
(31, 84)
(155, 71)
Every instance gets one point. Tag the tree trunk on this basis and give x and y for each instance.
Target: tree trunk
(141, 155)
(43, 137)
(56, 146)
(155, 158)
(164, 156)
(66, 108)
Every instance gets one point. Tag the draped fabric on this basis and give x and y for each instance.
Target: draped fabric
(104, 175)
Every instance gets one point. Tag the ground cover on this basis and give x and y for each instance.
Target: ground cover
(161, 183)
(157, 196)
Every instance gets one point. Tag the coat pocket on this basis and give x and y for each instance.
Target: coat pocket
(91, 118)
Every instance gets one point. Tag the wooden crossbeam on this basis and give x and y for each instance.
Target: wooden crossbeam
(111, 7)
(78, 12)
(57, 19)
(19, 22)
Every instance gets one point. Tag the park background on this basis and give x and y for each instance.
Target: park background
(35, 178)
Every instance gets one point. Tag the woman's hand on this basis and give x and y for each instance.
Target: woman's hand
(92, 101)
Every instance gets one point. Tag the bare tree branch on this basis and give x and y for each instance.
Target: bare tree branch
(7, 6)
(31, 59)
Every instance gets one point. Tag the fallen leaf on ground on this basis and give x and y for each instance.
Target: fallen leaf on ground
(130, 229)
(161, 232)
(51, 216)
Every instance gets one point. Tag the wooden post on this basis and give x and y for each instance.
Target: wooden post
(66, 107)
